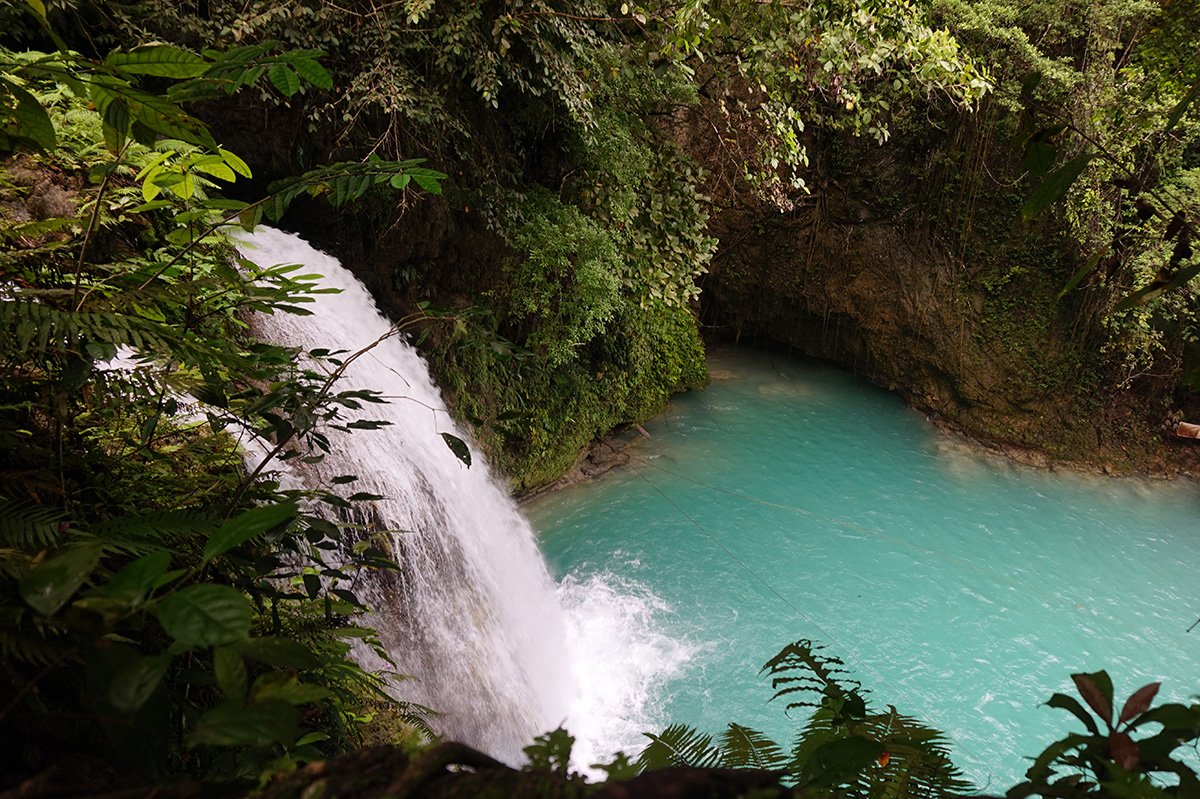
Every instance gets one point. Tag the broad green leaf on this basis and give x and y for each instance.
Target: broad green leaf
(250, 524)
(1179, 110)
(48, 587)
(32, 120)
(271, 687)
(140, 577)
(837, 761)
(1039, 157)
(214, 165)
(1064, 702)
(282, 653)
(235, 163)
(1054, 186)
(206, 615)
(259, 724)
(458, 447)
(312, 738)
(313, 72)
(159, 60)
(1082, 272)
(1153, 290)
(133, 685)
(230, 671)
(38, 7)
(284, 79)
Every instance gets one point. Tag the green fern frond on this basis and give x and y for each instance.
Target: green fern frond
(679, 745)
(742, 747)
(13, 231)
(417, 716)
(918, 764)
(805, 670)
(28, 526)
(26, 638)
(156, 526)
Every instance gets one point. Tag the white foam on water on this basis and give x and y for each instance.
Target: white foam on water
(622, 657)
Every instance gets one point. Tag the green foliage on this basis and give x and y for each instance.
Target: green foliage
(207, 636)
(533, 419)
(1108, 761)
(842, 65)
(569, 278)
(845, 749)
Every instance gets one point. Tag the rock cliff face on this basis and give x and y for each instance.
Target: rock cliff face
(908, 264)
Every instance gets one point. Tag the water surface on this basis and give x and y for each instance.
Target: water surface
(791, 500)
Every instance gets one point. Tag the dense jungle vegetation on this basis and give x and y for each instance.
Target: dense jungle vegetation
(537, 188)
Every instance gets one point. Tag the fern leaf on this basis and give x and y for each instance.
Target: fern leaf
(742, 747)
(679, 745)
(800, 668)
(156, 525)
(27, 526)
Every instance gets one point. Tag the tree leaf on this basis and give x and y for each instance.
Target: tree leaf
(458, 447)
(1139, 702)
(678, 745)
(837, 761)
(32, 120)
(271, 687)
(313, 72)
(1181, 108)
(1172, 716)
(1064, 702)
(1155, 289)
(206, 615)
(284, 79)
(282, 653)
(133, 685)
(250, 524)
(235, 163)
(1039, 157)
(140, 577)
(1096, 689)
(1054, 186)
(230, 672)
(259, 724)
(159, 60)
(1082, 272)
(50, 585)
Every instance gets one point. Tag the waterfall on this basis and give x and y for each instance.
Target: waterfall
(473, 613)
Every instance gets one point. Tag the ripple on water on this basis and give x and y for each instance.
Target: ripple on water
(961, 588)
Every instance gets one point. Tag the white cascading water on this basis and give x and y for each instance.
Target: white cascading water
(497, 649)
(473, 612)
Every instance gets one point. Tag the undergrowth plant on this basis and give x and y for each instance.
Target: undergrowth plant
(162, 611)
(847, 748)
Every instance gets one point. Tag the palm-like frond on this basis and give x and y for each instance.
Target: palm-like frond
(679, 745)
(801, 668)
(156, 526)
(742, 747)
(917, 765)
(26, 526)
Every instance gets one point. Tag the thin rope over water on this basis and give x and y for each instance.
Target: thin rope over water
(920, 710)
